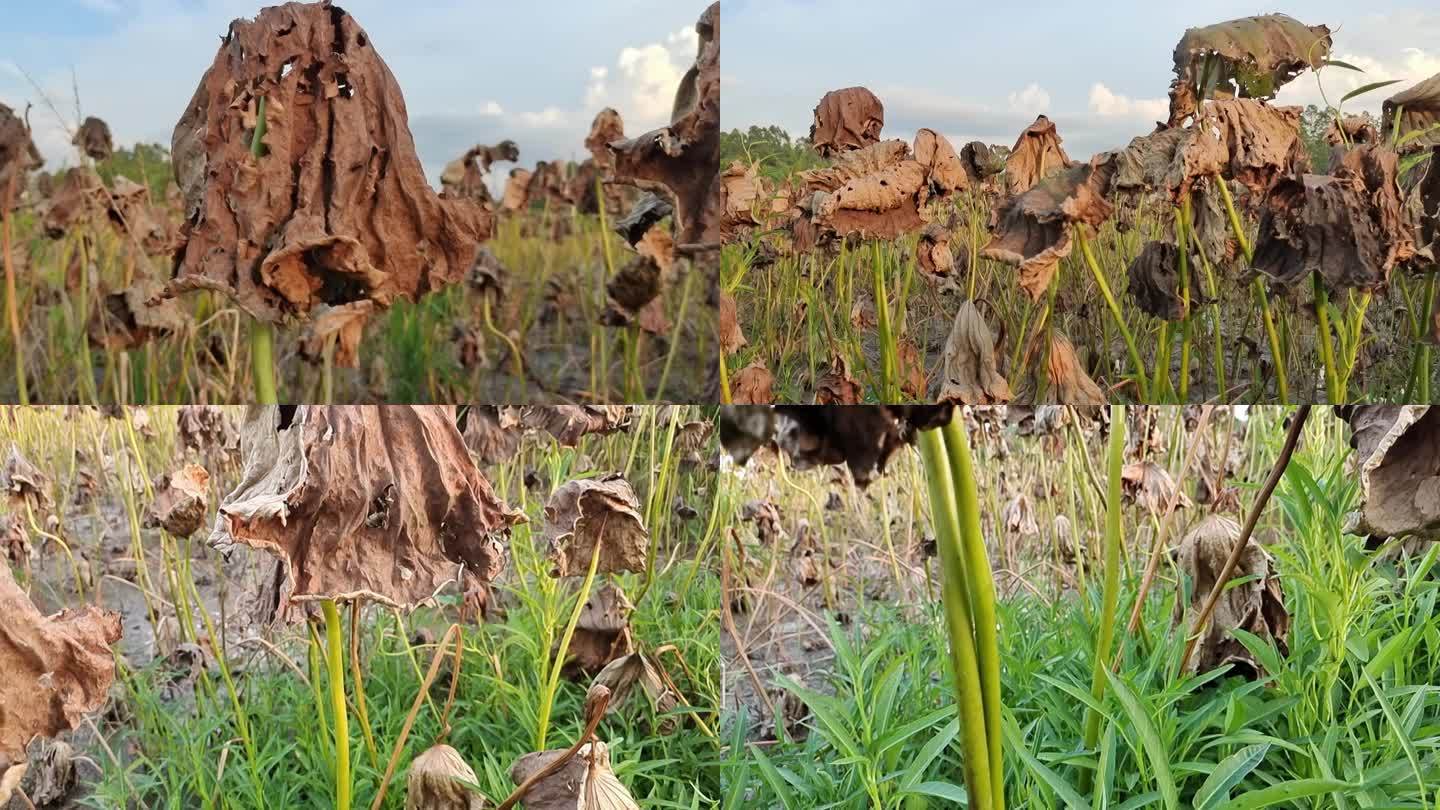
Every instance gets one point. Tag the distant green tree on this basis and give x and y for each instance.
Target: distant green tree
(1314, 123)
(778, 154)
(146, 163)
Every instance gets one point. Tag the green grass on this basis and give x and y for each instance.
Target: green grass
(172, 742)
(1349, 719)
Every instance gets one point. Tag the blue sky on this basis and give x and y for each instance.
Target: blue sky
(984, 71)
(474, 71)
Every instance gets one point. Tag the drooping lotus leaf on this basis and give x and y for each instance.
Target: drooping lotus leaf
(464, 177)
(568, 423)
(933, 250)
(1252, 57)
(741, 189)
(1255, 602)
(438, 781)
(381, 503)
(1018, 517)
(971, 376)
(132, 317)
(53, 669)
(93, 138)
(836, 386)
(342, 327)
(863, 438)
(684, 157)
(1037, 154)
(205, 428)
(1351, 227)
(607, 126)
(585, 782)
(752, 385)
(845, 120)
(1397, 455)
(181, 501)
(22, 480)
(945, 173)
(1155, 281)
(490, 433)
(1069, 384)
(731, 337)
(602, 634)
(338, 208)
(1418, 108)
(1150, 485)
(1352, 130)
(590, 514)
(1032, 230)
(983, 162)
(18, 154)
(517, 190)
(622, 675)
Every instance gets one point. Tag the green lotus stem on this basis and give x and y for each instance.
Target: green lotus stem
(1327, 350)
(1353, 337)
(1110, 597)
(1161, 383)
(1423, 370)
(262, 335)
(1260, 294)
(547, 697)
(981, 586)
(12, 312)
(1114, 311)
(1184, 244)
(956, 601)
(1215, 319)
(335, 663)
(888, 375)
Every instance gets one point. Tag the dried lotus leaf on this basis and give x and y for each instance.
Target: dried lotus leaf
(1255, 604)
(684, 157)
(606, 127)
(1032, 230)
(1069, 384)
(1150, 485)
(517, 190)
(752, 385)
(836, 386)
(93, 138)
(1397, 452)
(22, 480)
(590, 516)
(846, 119)
(381, 503)
(731, 337)
(971, 374)
(338, 208)
(944, 171)
(584, 782)
(863, 438)
(134, 316)
(933, 250)
(1037, 154)
(438, 779)
(1155, 281)
(1250, 57)
(18, 155)
(53, 669)
(1350, 227)
(182, 499)
(490, 433)
(344, 325)
(1418, 108)
(568, 423)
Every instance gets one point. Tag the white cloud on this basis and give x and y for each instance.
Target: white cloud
(1106, 103)
(548, 118)
(1394, 46)
(1033, 100)
(492, 108)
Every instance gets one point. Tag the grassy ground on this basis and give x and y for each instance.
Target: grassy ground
(858, 707)
(177, 738)
(439, 349)
(798, 311)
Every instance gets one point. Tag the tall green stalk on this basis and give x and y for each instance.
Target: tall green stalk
(1261, 296)
(969, 607)
(981, 586)
(1110, 597)
(335, 664)
(889, 374)
(1119, 316)
(1327, 349)
(262, 334)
